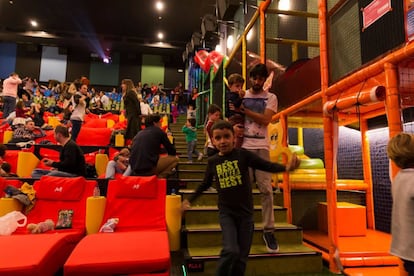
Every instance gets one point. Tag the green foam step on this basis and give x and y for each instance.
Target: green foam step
(209, 214)
(210, 198)
(213, 238)
(301, 262)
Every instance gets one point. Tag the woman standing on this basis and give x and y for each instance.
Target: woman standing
(132, 108)
(78, 112)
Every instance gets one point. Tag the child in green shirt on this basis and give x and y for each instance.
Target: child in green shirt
(190, 132)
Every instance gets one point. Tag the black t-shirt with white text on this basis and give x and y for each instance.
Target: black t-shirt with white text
(231, 172)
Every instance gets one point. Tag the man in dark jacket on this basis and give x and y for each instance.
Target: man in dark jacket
(71, 159)
(145, 156)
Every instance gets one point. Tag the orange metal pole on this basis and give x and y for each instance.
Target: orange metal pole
(392, 106)
(263, 7)
(294, 108)
(287, 199)
(366, 161)
(322, 186)
(371, 95)
(330, 136)
(328, 141)
(244, 60)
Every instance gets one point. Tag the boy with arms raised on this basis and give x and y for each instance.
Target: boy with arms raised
(235, 200)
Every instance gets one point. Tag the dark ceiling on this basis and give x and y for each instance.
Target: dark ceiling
(122, 25)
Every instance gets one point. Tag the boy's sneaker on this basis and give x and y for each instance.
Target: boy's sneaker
(271, 243)
(200, 156)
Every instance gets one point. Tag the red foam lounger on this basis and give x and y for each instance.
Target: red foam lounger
(139, 245)
(112, 116)
(23, 253)
(89, 136)
(95, 123)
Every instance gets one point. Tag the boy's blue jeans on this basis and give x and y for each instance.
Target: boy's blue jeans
(237, 231)
(191, 149)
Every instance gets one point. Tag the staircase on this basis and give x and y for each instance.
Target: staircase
(201, 233)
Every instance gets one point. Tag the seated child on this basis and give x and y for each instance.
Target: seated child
(118, 165)
(26, 133)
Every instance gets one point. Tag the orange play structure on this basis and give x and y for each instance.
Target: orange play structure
(346, 236)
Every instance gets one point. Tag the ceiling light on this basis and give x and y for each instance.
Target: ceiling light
(218, 48)
(33, 23)
(249, 35)
(160, 35)
(230, 42)
(41, 34)
(284, 5)
(159, 5)
(161, 45)
(11, 2)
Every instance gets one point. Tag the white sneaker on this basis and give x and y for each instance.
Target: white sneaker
(200, 157)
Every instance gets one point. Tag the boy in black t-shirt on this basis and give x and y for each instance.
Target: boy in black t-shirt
(230, 168)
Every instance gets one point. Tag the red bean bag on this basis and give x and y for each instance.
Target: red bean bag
(89, 136)
(95, 123)
(11, 157)
(112, 116)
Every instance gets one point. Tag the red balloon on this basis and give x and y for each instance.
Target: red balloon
(200, 58)
(216, 58)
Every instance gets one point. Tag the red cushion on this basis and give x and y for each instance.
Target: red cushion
(89, 136)
(41, 254)
(112, 153)
(50, 136)
(137, 187)
(11, 157)
(95, 123)
(123, 253)
(151, 213)
(46, 252)
(120, 125)
(48, 208)
(47, 113)
(64, 189)
(47, 153)
(90, 116)
(112, 116)
(6, 182)
(90, 157)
